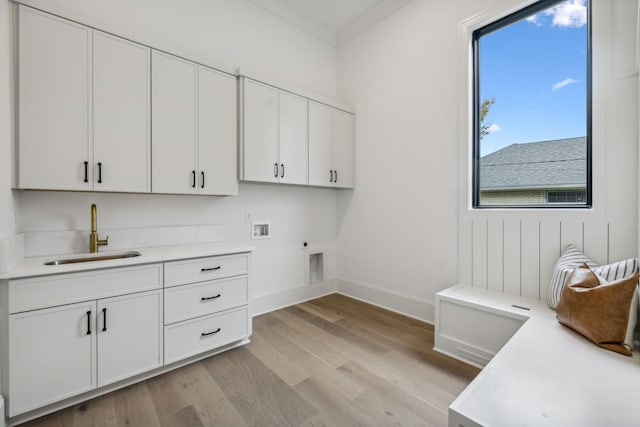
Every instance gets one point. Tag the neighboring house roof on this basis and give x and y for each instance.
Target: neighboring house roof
(560, 163)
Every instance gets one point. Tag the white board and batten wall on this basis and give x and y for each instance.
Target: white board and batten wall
(515, 250)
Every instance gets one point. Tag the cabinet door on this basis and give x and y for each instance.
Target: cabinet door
(121, 115)
(129, 335)
(51, 355)
(260, 137)
(294, 145)
(216, 132)
(174, 103)
(320, 164)
(54, 58)
(342, 148)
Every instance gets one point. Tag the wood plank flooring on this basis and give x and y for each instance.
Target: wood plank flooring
(333, 361)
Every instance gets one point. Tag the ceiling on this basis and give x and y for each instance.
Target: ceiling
(332, 21)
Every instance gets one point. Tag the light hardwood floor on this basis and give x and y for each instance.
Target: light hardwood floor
(333, 361)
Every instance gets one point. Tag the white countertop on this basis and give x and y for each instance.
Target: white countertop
(34, 266)
(548, 375)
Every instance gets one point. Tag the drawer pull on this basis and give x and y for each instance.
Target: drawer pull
(210, 269)
(210, 298)
(206, 334)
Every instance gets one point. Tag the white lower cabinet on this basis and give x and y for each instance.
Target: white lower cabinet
(60, 352)
(129, 335)
(68, 337)
(52, 355)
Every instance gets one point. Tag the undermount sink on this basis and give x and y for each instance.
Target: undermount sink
(92, 258)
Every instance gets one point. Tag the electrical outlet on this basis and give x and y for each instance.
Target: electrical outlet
(247, 217)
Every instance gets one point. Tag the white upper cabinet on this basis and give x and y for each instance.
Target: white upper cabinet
(320, 164)
(342, 148)
(275, 131)
(174, 100)
(331, 146)
(217, 132)
(121, 115)
(194, 136)
(294, 146)
(84, 113)
(260, 132)
(54, 112)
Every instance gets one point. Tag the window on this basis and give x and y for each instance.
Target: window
(532, 108)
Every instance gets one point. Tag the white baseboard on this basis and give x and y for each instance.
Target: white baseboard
(274, 300)
(408, 305)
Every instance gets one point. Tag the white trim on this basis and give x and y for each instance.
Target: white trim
(407, 305)
(281, 298)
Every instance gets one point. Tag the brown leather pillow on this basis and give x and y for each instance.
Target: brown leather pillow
(600, 312)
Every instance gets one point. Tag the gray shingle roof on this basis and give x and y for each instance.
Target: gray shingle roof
(559, 163)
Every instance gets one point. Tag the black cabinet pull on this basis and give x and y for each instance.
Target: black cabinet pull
(336, 176)
(89, 322)
(275, 169)
(210, 269)
(282, 175)
(104, 319)
(331, 176)
(193, 178)
(99, 173)
(206, 334)
(202, 175)
(210, 298)
(86, 171)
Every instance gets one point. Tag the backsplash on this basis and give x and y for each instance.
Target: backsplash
(41, 243)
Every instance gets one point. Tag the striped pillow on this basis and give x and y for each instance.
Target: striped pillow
(617, 270)
(570, 258)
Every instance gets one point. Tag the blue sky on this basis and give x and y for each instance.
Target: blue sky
(536, 70)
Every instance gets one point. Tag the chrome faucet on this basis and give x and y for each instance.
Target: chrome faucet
(94, 240)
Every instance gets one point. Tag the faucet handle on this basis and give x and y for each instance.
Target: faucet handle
(103, 242)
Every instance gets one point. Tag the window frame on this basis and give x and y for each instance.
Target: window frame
(475, 97)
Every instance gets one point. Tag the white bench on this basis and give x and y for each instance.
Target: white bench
(536, 371)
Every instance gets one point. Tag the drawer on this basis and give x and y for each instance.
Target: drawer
(203, 269)
(185, 339)
(195, 300)
(59, 289)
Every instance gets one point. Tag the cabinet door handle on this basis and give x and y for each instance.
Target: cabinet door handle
(282, 175)
(336, 176)
(210, 269)
(193, 179)
(104, 319)
(330, 176)
(206, 334)
(202, 176)
(210, 298)
(99, 173)
(89, 322)
(275, 170)
(86, 171)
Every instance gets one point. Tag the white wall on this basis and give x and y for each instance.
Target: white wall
(225, 34)
(404, 232)
(6, 144)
